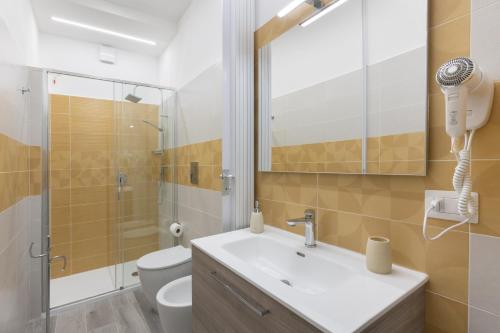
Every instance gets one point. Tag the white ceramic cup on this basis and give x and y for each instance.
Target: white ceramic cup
(378, 255)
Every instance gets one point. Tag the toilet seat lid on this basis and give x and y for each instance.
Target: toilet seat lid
(165, 258)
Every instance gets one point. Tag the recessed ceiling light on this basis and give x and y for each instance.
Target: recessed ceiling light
(288, 8)
(102, 30)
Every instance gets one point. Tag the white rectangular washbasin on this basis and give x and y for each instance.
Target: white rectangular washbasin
(328, 286)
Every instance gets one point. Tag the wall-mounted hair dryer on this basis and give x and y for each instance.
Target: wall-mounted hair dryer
(468, 97)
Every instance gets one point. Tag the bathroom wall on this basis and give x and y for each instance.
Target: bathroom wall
(18, 33)
(387, 154)
(20, 212)
(192, 64)
(329, 138)
(463, 293)
(83, 57)
(90, 139)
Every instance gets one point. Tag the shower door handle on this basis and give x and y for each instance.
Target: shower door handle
(227, 181)
(122, 180)
(37, 255)
(63, 258)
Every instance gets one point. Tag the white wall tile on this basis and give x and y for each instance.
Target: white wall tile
(330, 111)
(485, 36)
(484, 276)
(14, 115)
(206, 201)
(304, 57)
(8, 227)
(200, 211)
(279, 138)
(196, 46)
(476, 4)
(394, 27)
(200, 116)
(483, 322)
(402, 120)
(266, 10)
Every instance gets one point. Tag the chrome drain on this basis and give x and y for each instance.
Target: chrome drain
(285, 281)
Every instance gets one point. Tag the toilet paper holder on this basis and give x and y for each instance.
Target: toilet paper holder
(176, 229)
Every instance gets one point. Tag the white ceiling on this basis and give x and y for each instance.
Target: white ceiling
(148, 19)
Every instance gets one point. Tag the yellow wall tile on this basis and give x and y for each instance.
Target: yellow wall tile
(447, 263)
(444, 315)
(60, 141)
(94, 194)
(137, 252)
(60, 179)
(85, 231)
(59, 160)
(87, 264)
(59, 197)
(442, 11)
(59, 123)
(93, 212)
(59, 104)
(91, 108)
(90, 140)
(60, 234)
(60, 216)
(445, 42)
(6, 190)
(351, 207)
(89, 248)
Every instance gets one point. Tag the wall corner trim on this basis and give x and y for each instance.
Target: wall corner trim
(238, 134)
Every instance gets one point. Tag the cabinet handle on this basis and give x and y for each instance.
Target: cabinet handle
(256, 309)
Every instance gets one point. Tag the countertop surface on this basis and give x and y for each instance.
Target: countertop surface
(331, 287)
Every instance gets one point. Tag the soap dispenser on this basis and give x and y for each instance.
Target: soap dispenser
(256, 220)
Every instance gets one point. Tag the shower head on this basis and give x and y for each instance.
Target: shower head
(159, 129)
(133, 97)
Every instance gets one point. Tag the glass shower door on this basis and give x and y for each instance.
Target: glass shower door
(83, 201)
(144, 197)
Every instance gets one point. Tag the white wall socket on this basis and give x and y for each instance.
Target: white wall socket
(448, 209)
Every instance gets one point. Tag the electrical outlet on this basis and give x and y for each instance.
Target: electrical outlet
(448, 208)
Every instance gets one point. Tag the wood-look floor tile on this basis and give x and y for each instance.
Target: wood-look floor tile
(71, 321)
(98, 314)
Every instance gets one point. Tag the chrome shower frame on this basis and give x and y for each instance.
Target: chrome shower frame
(45, 167)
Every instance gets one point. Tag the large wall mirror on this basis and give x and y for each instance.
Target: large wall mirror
(346, 91)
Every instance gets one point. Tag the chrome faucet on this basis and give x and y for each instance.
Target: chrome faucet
(310, 226)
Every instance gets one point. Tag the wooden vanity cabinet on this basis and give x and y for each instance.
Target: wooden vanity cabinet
(223, 302)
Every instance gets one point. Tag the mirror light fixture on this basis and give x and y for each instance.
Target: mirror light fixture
(102, 30)
(291, 6)
(322, 12)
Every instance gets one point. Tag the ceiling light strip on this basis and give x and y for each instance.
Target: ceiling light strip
(102, 30)
(327, 9)
(291, 6)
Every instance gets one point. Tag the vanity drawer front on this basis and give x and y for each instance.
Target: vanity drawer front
(224, 302)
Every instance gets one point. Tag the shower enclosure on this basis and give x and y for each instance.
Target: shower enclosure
(110, 168)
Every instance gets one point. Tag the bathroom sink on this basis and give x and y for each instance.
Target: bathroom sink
(307, 273)
(328, 286)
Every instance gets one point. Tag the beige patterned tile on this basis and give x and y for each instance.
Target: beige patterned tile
(443, 315)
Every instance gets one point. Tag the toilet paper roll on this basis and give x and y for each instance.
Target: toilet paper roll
(176, 229)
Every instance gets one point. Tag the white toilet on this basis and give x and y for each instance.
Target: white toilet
(175, 306)
(158, 268)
